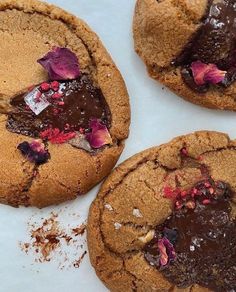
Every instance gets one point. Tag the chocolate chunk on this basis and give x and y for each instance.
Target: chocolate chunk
(214, 42)
(71, 108)
(205, 243)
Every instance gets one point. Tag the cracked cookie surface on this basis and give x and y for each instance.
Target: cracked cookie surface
(132, 202)
(164, 29)
(28, 30)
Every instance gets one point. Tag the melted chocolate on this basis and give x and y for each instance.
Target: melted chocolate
(80, 102)
(204, 240)
(214, 42)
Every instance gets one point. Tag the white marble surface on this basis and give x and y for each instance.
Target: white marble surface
(157, 116)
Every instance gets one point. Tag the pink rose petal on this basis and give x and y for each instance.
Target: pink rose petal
(163, 253)
(99, 135)
(206, 73)
(167, 252)
(61, 64)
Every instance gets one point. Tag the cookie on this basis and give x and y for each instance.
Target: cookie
(164, 220)
(189, 46)
(64, 106)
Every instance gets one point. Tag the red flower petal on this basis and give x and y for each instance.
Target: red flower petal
(61, 64)
(99, 135)
(206, 73)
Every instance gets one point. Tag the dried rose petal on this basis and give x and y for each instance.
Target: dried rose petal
(55, 85)
(206, 73)
(57, 95)
(55, 136)
(184, 151)
(206, 202)
(169, 193)
(34, 151)
(45, 87)
(167, 252)
(183, 194)
(61, 64)
(99, 135)
(179, 205)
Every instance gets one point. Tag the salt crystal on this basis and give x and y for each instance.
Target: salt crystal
(117, 225)
(197, 241)
(62, 88)
(108, 207)
(37, 105)
(192, 248)
(137, 213)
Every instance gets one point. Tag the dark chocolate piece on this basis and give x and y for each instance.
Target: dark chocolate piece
(80, 101)
(214, 42)
(205, 243)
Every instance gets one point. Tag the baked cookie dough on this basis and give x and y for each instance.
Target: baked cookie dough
(29, 29)
(164, 220)
(189, 46)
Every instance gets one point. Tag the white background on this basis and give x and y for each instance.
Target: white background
(157, 116)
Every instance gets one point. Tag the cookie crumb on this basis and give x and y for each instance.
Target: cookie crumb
(148, 237)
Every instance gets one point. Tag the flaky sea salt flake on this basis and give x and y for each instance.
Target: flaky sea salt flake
(108, 207)
(117, 225)
(37, 105)
(137, 213)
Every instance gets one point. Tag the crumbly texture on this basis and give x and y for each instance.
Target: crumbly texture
(117, 233)
(28, 30)
(161, 31)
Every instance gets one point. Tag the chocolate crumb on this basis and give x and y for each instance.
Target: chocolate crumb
(49, 241)
(77, 263)
(79, 230)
